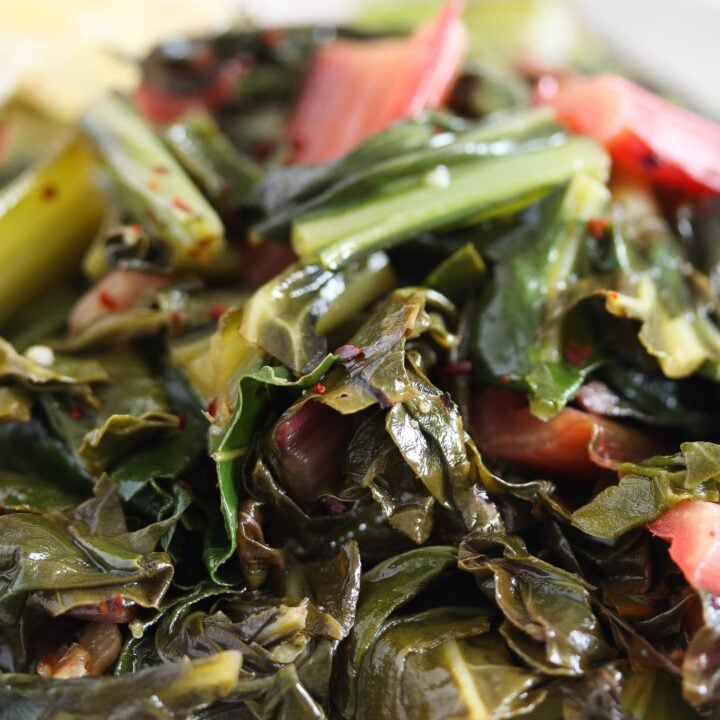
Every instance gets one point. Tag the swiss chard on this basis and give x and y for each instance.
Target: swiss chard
(58, 561)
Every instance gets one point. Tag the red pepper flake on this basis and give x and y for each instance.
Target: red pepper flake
(49, 192)
(320, 389)
(461, 367)
(107, 300)
(161, 170)
(180, 204)
(212, 407)
(103, 607)
(75, 412)
(577, 353)
(613, 295)
(137, 228)
(182, 419)
(598, 227)
(346, 353)
(153, 184)
(176, 316)
(505, 379)
(217, 310)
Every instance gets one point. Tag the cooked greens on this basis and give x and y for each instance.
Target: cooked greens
(400, 435)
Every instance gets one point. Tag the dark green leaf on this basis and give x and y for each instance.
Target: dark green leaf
(458, 274)
(168, 692)
(656, 289)
(645, 491)
(31, 449)
(29, 494)
(550, 622)
(57, 561)
(520, 335)
(442, 664)
(289, 316)
(251, 405)
(132, 407)
(385, 588)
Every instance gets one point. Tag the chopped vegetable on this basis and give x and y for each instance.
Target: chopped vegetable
(644, 133)
(691, 528)
(355, 89)
(48, 216)
(404, 434)
(573, 445)
(157, 192)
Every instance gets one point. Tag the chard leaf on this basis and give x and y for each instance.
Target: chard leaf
(131, 408)
(520, 335)
(422, 421)
(114, 329)
(384, 589)
(361, 519)
(31, 449)
(549, 619)
(287, 699)
(26, 493)
(460, 273)
(656, 288)
(58, 561)
(377, 375)
(375, 462)
(167, 692)
(651, 695)
(442, 663)
(249, 410)
(646, 490)
(175, 451)
(68, 375)
(214, 365)
(289, 316)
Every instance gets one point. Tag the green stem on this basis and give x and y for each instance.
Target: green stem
(337, 235)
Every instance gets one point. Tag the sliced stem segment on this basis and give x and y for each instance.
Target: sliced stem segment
(48, 215)
(154, 188)
(488, 187)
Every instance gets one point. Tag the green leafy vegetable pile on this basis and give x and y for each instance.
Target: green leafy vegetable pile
(400, 435)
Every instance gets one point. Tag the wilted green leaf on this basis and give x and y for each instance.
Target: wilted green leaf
(57, 561)
(289, 316)
(168, 692)
(384, 589)
(443, 664)
(29, 494)
(549, 619)
(520, 335)
(250, 406)
(645, 491)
